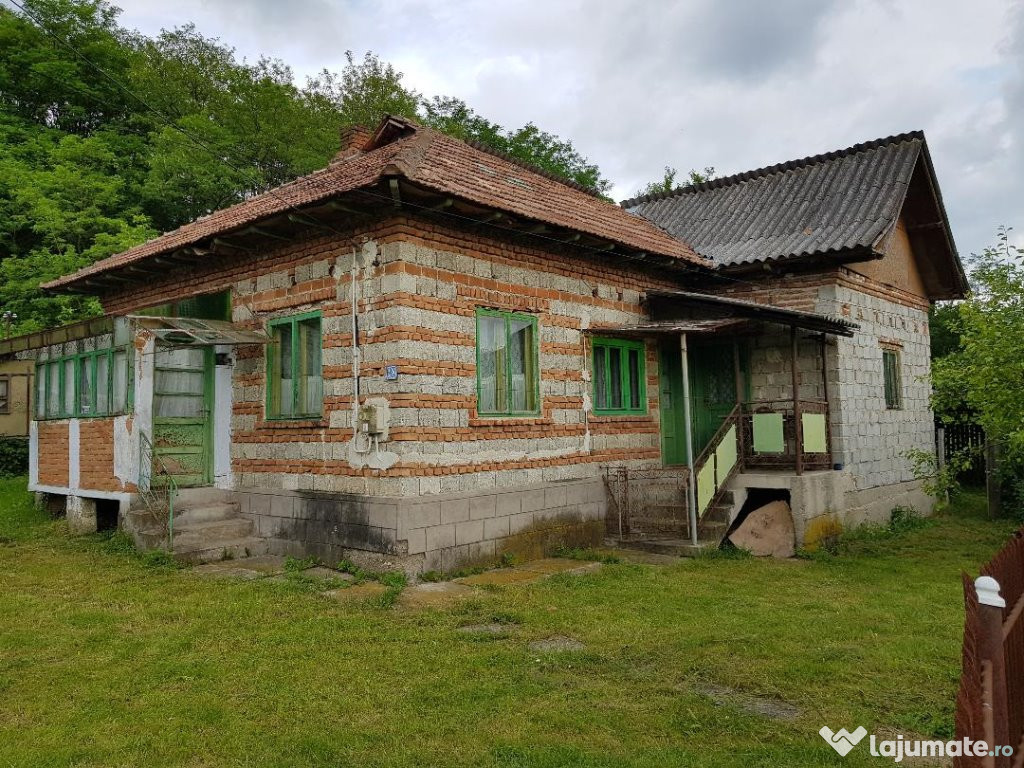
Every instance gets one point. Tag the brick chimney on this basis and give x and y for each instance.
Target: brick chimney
(353, 139)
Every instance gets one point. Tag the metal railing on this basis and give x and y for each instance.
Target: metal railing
(718, 462)
(757, 425)
(158, 496)
(647, 501)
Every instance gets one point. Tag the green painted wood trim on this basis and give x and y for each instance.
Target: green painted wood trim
(269, 410)
(508, 317)
(623, 346)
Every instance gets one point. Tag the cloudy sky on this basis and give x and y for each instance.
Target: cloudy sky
(734, 84)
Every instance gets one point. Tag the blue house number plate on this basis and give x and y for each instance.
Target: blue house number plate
(391, 373)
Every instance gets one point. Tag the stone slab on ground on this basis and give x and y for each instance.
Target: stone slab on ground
(776, 709)
(767, 531)
(356, 592)
(247, 568)
(431, 594)
(556, 644)
(322, 572)
(528, 572)
(552, 565)
(499, 577)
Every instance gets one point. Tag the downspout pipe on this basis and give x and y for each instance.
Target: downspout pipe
(691, 480)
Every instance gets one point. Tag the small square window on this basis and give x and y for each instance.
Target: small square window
(893, 379)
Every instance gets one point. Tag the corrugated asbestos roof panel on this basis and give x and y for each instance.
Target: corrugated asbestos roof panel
(825, 204)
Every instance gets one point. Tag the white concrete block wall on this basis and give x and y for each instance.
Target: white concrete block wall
(870, 440)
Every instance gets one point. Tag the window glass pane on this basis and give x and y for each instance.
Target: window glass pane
(492, 361)
(5, 395)
(614, 378)
(119, 403)
(284, 391)
(891, 372)
(102, 383)
(521, 366)
(53, 390)
(69, 386)
(310, 376)
(600, 378)
(40, 391)
(634, 379)
(86, 392)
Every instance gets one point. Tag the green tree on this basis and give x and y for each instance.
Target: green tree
(667, 183)
(116, 136)
(986, 372)
(528, 144)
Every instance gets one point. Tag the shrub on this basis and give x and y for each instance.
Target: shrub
(13, 456)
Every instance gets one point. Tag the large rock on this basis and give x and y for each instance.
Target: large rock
(767, 531)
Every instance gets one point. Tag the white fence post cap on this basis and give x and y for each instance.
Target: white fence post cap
(988, 592)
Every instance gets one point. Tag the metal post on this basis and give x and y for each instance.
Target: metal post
(993, 659)
(798, 427)
(741, 422)
(691, 482)
(940, 452)
(993, 486)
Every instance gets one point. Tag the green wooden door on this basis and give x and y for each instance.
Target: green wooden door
(182, 414)
(670, 397)
(712, 389)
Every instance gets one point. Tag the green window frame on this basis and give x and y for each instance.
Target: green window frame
(619, 376)
(507, 364)
(893, 380)
(295, 382)
(95, 384)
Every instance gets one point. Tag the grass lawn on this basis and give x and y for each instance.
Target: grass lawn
(108, 661)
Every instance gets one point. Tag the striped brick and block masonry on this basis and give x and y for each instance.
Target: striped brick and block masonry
(417, 287)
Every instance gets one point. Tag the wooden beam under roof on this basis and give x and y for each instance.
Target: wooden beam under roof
(264, 232)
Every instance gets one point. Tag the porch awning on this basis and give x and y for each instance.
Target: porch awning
(733, 309)
(189, 332)
(671, 327)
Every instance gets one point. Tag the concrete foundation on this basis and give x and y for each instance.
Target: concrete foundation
(826, 503)
(444, 532)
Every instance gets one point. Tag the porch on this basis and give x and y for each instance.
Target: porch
(742, 388)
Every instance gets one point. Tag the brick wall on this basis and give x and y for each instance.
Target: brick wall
(53, 454)
(96, 455)
(417, 304)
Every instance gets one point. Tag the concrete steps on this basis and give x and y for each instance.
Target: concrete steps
(208, 526)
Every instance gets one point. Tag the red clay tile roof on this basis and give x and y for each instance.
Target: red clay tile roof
(430, 159)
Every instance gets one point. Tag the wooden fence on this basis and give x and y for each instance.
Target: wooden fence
(990, 703)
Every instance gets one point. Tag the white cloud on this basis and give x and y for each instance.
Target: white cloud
(737, 85)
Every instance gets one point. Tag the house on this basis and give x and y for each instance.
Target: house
(429, 354)
(15, 386)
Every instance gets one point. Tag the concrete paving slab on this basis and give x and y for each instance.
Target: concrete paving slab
(322, 572)
(247, 568)
(356, 592)
(432, 594)
(556, 644)
(551, 565)
(500, 577)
